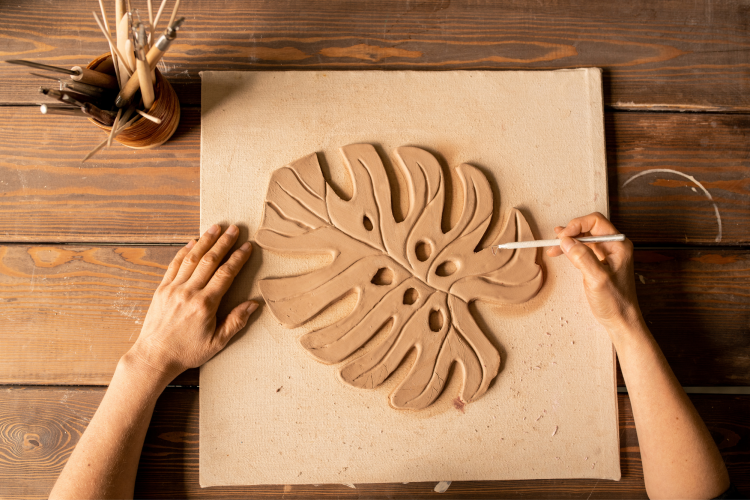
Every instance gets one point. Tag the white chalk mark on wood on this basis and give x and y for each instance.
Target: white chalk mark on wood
(442, 486)
(350, 485)
(690, 178)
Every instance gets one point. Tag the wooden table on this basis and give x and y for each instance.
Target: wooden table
(83, 246)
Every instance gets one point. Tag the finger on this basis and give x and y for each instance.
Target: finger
(554, 251)
(224, 276)
(619, 253)
(213, 257)
(594, 223)
(196, 253)
(174, 266)
(598, 250)
(583, 258)
(234, 322)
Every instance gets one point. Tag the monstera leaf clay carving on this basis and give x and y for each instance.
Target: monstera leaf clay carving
(409, 276)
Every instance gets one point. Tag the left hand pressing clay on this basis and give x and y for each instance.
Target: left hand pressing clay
(409, 276)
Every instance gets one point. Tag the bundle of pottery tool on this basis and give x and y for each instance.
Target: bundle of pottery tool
(121, 91)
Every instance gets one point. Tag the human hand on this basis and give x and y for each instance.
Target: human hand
(607, 269)
(180, 330)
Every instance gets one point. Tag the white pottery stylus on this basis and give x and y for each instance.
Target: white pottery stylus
(554, 243)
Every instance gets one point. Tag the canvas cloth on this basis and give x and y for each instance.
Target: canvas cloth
(270, 414)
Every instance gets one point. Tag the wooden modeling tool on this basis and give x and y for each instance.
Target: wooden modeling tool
(77, 73)
(556, 242)
(123, 32)
(153, 57)
(156, 19)
(113, 46)
(142, 67)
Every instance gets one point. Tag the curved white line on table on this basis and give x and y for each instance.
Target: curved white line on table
(689, 177)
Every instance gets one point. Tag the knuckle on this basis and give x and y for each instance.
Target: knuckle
(191, 259)
(204, 304)
(228, 270)
(211, 259)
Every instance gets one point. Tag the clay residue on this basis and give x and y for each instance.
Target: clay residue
(413, 280)
(459, 405)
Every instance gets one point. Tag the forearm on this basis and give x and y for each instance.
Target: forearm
(105, 461)
(678, 454)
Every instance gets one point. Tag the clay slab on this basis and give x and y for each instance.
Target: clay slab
(271, 414)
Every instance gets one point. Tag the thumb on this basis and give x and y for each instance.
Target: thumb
(582, 257)
(235, 321)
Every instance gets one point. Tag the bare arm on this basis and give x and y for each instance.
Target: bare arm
(680, 459)
(180, 331)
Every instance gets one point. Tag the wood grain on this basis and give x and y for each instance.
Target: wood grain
(674, 55)
(122, 195)
(69, 312)
(40, 427)
(668, 207)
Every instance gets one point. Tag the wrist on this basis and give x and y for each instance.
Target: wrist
(630, 326)
(137, 367)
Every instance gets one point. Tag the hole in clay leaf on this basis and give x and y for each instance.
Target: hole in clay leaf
(367, 223)
(384, 276)
(446, 268)
(436, 320)
(410, 296)
(423, 251)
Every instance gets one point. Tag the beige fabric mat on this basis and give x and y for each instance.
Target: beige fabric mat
(270, 414)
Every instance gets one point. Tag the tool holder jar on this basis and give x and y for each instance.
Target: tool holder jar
(143, 133)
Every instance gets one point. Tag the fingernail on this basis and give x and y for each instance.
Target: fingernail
(232, 230)
(213, 229)
(566, 243)
(245, 246)
(251, 307)
(190, 244)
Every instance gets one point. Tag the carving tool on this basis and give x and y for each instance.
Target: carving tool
(105, 117)
(556, 242)
(67, 96)
(153, 57)
(174, 12)
(156, 19)
(76, 73)
(112, 45)
(142, 67)
(81, 88)
(108, 36)
(47, 110)
(123, 33)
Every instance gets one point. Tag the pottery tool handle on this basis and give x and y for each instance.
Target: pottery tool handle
(85, 75)
(154, 55)
(556, 242)
(105, 117)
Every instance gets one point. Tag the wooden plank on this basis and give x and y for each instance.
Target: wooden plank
(711, 154)
(69, 312)
(679, 55)
(40, 427)
(120, 195)
(123, 195)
